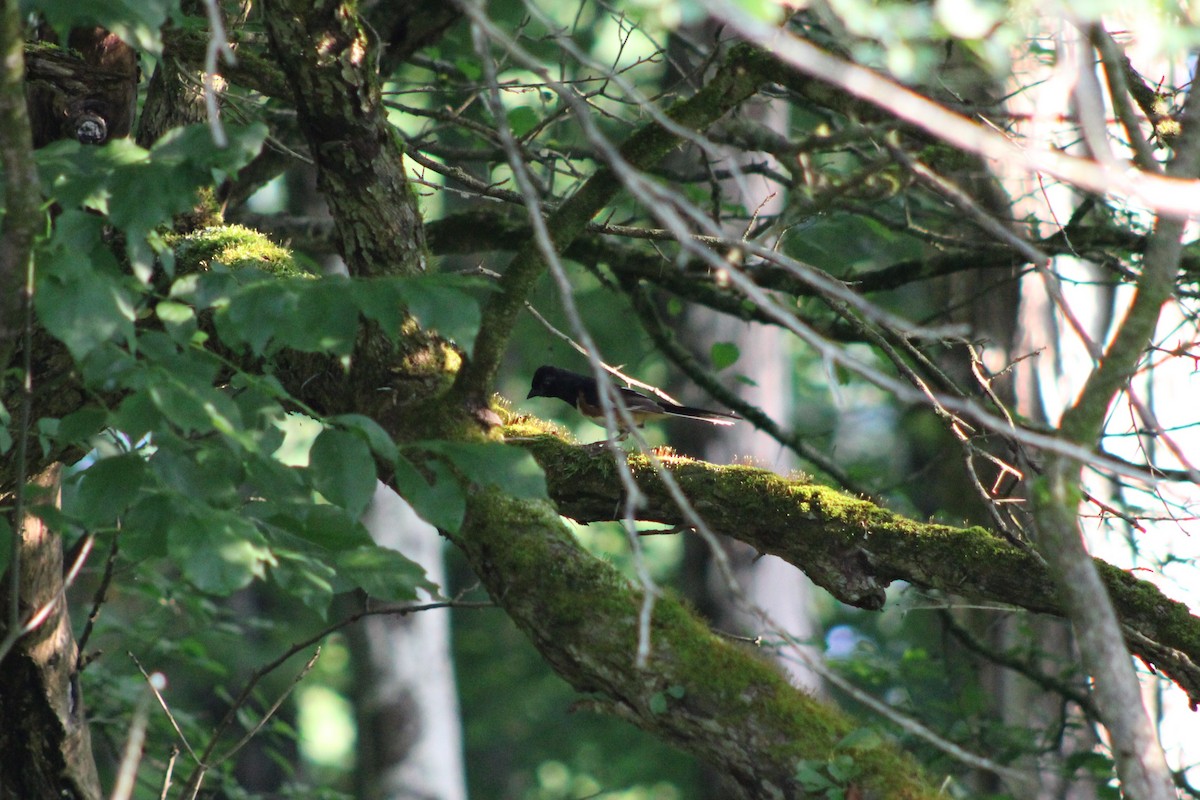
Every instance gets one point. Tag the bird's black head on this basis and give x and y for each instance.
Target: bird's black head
(547, 382)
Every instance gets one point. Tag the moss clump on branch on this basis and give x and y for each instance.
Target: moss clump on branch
(236, 247)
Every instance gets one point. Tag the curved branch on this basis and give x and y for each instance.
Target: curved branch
(697, 691)
(855, 549)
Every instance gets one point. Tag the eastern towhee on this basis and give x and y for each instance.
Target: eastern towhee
(582, 392)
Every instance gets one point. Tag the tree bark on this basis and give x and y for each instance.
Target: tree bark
(45, 745)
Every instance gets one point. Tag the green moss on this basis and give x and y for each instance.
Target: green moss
(583, 615)
(236, 247)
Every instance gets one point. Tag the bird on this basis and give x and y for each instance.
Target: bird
(582, 392)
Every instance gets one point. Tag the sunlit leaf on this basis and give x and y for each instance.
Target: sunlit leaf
(219, 552)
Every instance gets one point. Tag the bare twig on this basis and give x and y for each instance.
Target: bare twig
(97, 602)
(131, 758)
(156, 682)
(1119, 92)
(270, 712)
(218, 48)
(166, 786)
(203, 759)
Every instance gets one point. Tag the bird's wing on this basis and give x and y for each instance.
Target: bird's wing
(639, 403)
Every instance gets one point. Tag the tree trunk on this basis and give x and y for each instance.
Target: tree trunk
(45, 745)
(409, 736)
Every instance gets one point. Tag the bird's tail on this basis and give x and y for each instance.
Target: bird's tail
(715, 417)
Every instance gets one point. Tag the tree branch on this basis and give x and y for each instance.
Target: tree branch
(855, 549)
(1056, 499)
(22, 192)
(45, 744)
(697, 691)
(359, 156)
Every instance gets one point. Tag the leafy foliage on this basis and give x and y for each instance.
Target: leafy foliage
(139, 22)
(173, 362)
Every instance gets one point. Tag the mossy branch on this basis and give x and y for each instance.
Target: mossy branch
(855, 549)
(715, 699)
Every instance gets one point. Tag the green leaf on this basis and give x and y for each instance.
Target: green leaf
(378, 439)
(342, 470)
(6, 440)
(267, 477)
(80, 426)
(860, 739)
(809, 774)
(206, 471)
(106, 489)
(843, 768)
(522, 120)
(193, 147)
(326, 319)
(80, 305)
(137, 22)
(194, 408)
(331, 528)
(442, 503)
(470, 68)
(146, 524)
(439, 302)
(510, 469)
(109, 368)
(658, 703)
(177, 318)
(724, 354)
(307, 579)
(257, 313)
(219, 552)
(307, 314)
(137, 415)
(114, 179)
(382, 573)
(677, 691)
